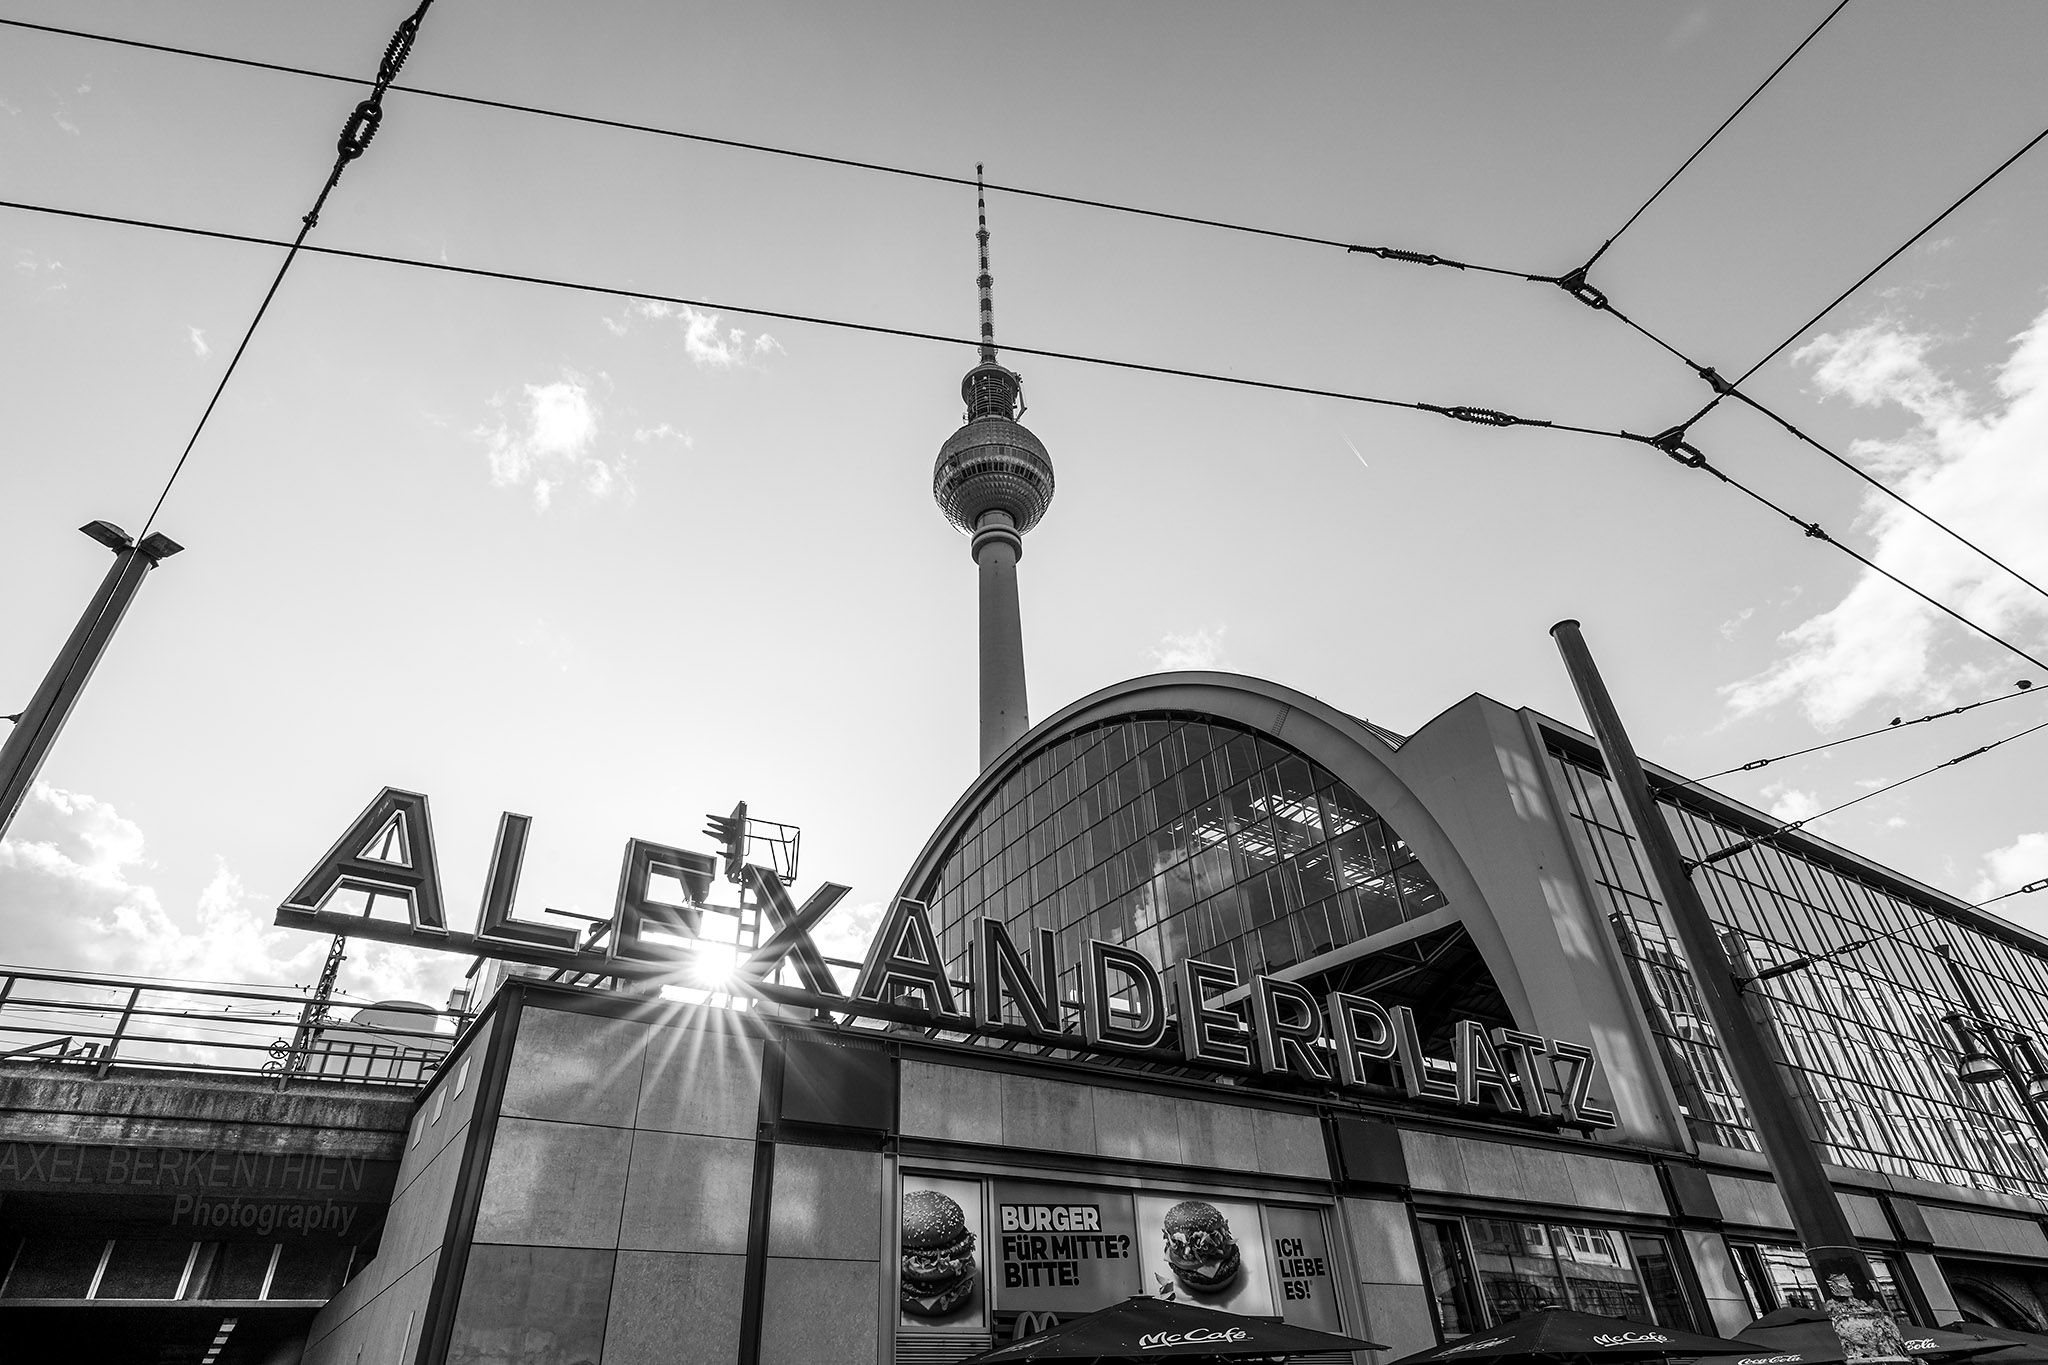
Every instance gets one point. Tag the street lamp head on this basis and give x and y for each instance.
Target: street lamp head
(1976, 1065)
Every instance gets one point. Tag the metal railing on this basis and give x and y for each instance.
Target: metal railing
(96, 1023)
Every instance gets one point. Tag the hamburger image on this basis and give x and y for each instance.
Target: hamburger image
(1200, 1248)
(938, 1255)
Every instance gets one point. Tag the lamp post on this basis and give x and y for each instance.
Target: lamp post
(1849, 1297)
(40, 722)
(1991, 1051)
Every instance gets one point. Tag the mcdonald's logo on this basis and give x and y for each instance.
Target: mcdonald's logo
(1031, 1323)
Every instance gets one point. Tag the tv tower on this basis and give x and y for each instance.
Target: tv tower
(993, 480)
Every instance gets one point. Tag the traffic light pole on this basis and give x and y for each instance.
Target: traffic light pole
(1868, 1332)
(21, 758)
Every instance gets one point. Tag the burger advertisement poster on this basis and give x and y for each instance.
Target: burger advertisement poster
(1063, 1248)
(942, 1249)
(977, 1253)
(1210, 1252)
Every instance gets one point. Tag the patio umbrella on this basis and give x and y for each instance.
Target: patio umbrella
(2027, 1348)
(1804, 1336)
(1560, 1332)
(1144, 1328)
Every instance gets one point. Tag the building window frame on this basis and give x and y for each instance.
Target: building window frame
(1761, 1289)
(1453, 1275)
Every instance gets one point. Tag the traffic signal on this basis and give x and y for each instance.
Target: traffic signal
(731, 833)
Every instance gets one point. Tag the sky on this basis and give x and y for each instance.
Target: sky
(614, 565)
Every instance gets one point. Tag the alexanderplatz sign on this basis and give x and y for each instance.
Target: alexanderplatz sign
(1344, 1041)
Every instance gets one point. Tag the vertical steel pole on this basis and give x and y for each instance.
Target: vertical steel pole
(21, 757)
(1867, 1331)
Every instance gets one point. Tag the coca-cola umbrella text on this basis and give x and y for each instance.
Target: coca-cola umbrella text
(1804, 1336)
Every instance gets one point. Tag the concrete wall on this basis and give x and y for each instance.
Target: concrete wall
(1036, 1114)
(378, 1315)
(1391, 1288)
(67, 1104)
(613, 1217)
(1478, 770)
(1530, 1175)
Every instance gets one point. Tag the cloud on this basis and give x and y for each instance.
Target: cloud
(198, 339)
(1978, 471)
(663, 432)
(1199, 648)
(2024, 860)
(545, 440)
(708, 346)
(1786, 802)
(1735, 623)
(73, 896)
(849, 929)
(46, 270)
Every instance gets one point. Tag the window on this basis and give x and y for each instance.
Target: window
(1488, 1271)
(1229, 846)
(56, 1267)
(1775, 1277)
(1449, 1271)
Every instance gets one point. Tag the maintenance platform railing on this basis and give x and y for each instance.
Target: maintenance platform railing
(98, 1022)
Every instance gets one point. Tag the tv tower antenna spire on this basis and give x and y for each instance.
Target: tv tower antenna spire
(993, 480)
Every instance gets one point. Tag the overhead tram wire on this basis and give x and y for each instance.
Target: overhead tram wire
(1573, 282)
(355, 139)
(2040, 884)
(1576, 284)
(821, 158)
(1901, 250)
(1479, 416)
(1687, 163)
(1676, 448)
(1793, 826)
(2023, 688)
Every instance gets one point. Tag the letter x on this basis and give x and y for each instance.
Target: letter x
(792, 931)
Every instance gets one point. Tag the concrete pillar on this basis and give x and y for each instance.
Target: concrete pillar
(1004, 714)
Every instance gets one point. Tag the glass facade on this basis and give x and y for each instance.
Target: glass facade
(1182, 837)
(1864, 1030)
(1778, 1276)
(1485, 1271)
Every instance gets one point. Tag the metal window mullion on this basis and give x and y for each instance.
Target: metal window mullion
(99, 1271)
(185, 1278)
(270, 1271)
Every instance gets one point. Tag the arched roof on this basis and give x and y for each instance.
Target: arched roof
(1354, 751)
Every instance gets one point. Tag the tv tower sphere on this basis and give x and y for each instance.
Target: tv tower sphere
(992, 464)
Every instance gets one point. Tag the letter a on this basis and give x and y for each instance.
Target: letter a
(388, 851)
(904, 959)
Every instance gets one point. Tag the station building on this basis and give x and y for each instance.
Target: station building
(1203, 988)
(595, 1175)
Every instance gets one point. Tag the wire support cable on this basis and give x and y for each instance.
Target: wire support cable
(1574, 283)
(1386, 253)
(1671, 443)
(1897, 252)
(1578, 287)
(1799, 964)
(2021, 689)
(1674, 444)
(1792, 826)
(355, 138)
(2040, 884)
(1687, 163)
(1462, 413)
